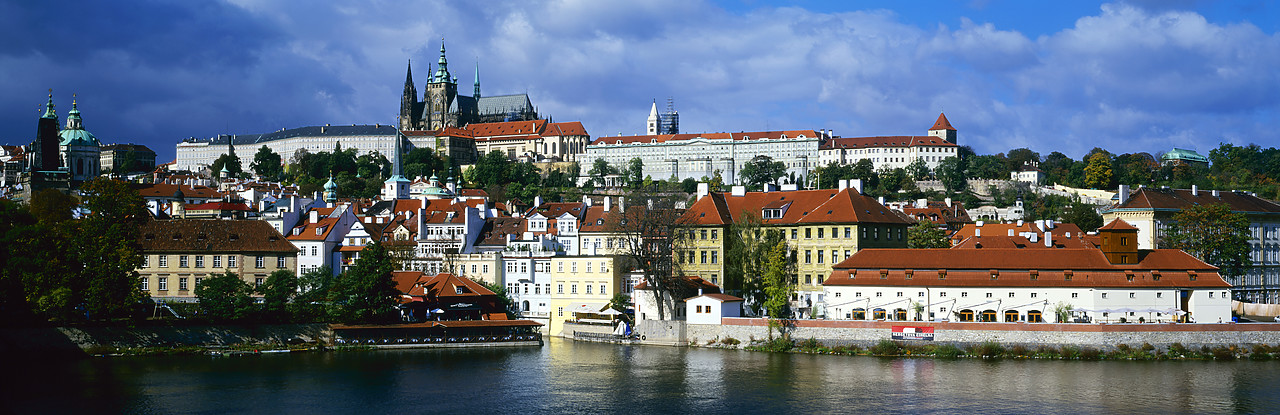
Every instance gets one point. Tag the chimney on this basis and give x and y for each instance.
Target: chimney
(947, 201)
(978, 224)
(537, 201)
(586, 200)
(1010, 231)
(622, 204)
(1195, 190)
(739, 191)
(844, 184)
(770, 187)
(703, 190)
(315, 216)
(881, 200)
(608, 203)
(1048, 239)
(1123, 193)
(856, 184)
(1215, 193)
(1019, 223)
(922, 203)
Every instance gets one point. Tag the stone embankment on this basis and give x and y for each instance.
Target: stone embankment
(1102, 336)
(76, 340)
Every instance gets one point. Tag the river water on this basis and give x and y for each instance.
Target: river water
(570, 377)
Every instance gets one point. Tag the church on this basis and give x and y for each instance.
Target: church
(441, 105)
(61, 159)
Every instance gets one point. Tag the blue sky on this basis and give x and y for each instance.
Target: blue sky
(1067, 76)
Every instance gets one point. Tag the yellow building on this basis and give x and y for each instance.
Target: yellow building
(179, 254)
(581, 286)
(821, 227)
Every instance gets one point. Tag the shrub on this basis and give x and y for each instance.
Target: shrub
(1019, 351)
(1070, 352)
(1147, 347)
(1178, 348)
(948, 351)
(730, 341)
(1223, 353)
(810, 344)
(1090, 353)
(987, 349)
(886, 348)
(1124, 348)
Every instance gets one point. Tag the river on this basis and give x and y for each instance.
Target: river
(570, 377)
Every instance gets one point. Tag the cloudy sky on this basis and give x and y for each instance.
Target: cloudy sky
(1128, 76)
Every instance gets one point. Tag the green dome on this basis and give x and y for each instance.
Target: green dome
(77, 138)
(330, 185)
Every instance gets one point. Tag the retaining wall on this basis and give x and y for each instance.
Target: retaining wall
(1028, 334)
(65, 340)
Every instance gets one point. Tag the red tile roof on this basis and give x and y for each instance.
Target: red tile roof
(212, 235)
(644, 139)
(1174, 199)
(1119, 225)
(800, 206)
(942, 123)
(721, 297)
(445, 285)
(887, 141)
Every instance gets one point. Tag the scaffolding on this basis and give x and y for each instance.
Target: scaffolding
(669, 121)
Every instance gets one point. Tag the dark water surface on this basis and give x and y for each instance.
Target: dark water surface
(569, 377)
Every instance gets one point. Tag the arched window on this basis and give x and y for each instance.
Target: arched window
(877, 314)
(1010, 316)
(900, 314)
(525, 306)
(859, 314)
(1034, 316)
(987, 316)
(966, 315)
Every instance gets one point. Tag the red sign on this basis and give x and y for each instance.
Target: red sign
(912, 333)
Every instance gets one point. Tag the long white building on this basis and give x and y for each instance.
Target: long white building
(892, 152)
(697, 156)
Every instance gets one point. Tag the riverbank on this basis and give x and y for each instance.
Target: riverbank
(158, 340)
(990, 350)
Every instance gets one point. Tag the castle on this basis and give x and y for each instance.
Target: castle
(441, 105)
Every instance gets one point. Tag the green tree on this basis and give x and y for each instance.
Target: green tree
(1097, 171)
(51, 207)
(951, 171)
(635, 173)
(504, 298)
(1214, 234)
(599, 169)
(422, 162)
(747, 245)
(230, 161)
(225, 297)
(762, 169)
(1019, 157)
(924, 234)
(492, 169)
(777, 284)
(918, 169)
(107, 245)
(1083, 215)
(367, 292)
(689, 185)
(267, 163)
(31, 263)
(276, 291)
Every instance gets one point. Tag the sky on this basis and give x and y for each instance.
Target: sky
(1127, 76)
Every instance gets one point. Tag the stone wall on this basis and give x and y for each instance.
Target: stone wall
(62, 340)
(865, 333)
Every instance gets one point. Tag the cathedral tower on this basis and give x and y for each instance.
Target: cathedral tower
(408, 101)
(440, 95)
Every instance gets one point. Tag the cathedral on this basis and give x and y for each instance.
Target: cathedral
(61, 159)
(441, 105)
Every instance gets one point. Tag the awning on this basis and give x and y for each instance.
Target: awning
(588, 308)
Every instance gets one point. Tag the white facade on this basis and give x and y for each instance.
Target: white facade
(897, 303)
(710, 309)
(194, 154)
(528, 282)
(696, 156)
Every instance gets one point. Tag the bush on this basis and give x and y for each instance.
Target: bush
(1147, 347)
(810, 344)
(948, 351)
(1019, 351)
(1070, 352)
(1123, 348)
(886, 348)
(1223, 353)
(1178, 348)
(987, 349)
(1090, 353)
(730, 341)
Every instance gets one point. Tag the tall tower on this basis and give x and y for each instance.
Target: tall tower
(407, 101)
(441, 91)
(669, 122)
(652, 126)
(44, 150)
(396, 187)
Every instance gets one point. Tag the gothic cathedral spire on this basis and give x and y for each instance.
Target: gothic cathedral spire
(442, 67)
(476, 95)
(408, 99)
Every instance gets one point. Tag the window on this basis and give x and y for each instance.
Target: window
(942, 294)
(713, 256)
(858, 294)
(864, 232)
(559, 267)
(1011, 295)
(259, 262)
(560, 311)
(808, 278)
(875, 230)
(146, 261)
(703, 234)
(280, 263)
(485, 268)
(848, 232)
(820, 256)
(834, 258)
(606, 292)
(231, 261)
(1104, 295)
(704, 257)
(217, 261)
(588, 289)
(559, 288)
(920, 294)
(989, 295)
(162, 283)
(713, 234)
(964, 294)
(198, 281)
(257, 282)
(1132, 295)
(808, 233)
(835, 233)
(899, 293)
(182, 261)
(573, 267)
(820, 232)
(573, 288)
(1075, 295)
(182, 284)
(808, 256)
(1033, 295)
(313, 250)
(1158, 295)
(793, 234)
(143, 281)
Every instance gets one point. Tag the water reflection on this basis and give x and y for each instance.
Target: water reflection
(568, 377)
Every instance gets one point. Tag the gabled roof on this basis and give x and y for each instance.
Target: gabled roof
(489, 130)
(806, 206)
(995, 229)
(597, 220)
(677, 138)
(555, 210)
(496, 230)
(166, 190)
(724, 298)
(218, 206)
(1177, 199)
(942, 123)
(1118, 225)
(212, 235)
(445, 285)
(887, 141)
(307, 231)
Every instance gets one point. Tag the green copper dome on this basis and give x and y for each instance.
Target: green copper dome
(74, 134)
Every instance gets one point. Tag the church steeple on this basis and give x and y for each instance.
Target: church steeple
(408, 99)
(74, 122)
(442, 67)
(396, 187)
(477, 93)
(49, 113)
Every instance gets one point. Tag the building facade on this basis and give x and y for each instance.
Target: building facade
(698, 156)
(179, 254)
(893, 152)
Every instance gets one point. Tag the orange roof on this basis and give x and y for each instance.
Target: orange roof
(1176, 199)
(1119, 225)
(446, 285)
(721, 297)
(405, 279)
(942, 123)
(759, 135)
(886, 141)
(799, 206)
(446, 132)
(217, 206)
